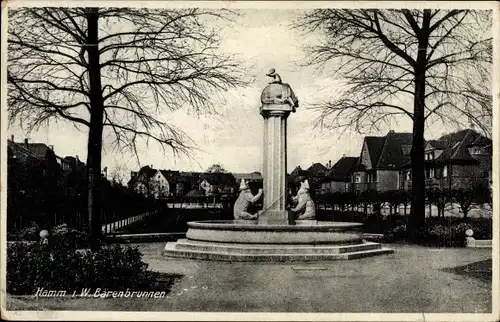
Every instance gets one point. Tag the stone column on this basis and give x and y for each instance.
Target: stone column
(274, 170)
(278, 101)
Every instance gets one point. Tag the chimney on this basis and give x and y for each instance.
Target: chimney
(77, 158)
(12, 138)
(26, 141)
(51, 147)
(329, 164)
(133, 174)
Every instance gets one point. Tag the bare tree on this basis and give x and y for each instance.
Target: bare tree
(117, 175)
(420, 64)
(117, 71)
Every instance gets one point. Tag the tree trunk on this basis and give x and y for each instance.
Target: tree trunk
(94, 148)
(417, 212)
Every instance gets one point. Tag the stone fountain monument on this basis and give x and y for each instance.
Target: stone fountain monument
(270, 235)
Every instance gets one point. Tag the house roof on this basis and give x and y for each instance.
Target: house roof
(37, 150)
(455, 145)
(375, 145)
(170, 175)
(317, 168)
(392, 155)
(218, 179)
(146, 172)
(387, 152)
(297, 171)
(343, 168)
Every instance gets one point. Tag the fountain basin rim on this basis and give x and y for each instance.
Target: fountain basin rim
(254, 226)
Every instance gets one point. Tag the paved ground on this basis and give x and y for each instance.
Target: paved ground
(413, 279)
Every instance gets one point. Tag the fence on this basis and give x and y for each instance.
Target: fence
(437, 202)
(48, 210)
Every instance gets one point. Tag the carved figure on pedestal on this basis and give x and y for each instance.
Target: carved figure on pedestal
(305, 209)
(277, 92)
(245, 199)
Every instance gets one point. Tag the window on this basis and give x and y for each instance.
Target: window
(445, 171)
(431, 173)
(406, 149)
(357, 178)
(476, 150)
(346, 187)
(408, 175)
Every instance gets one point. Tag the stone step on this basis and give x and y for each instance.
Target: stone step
(171, 251)
(190, 245)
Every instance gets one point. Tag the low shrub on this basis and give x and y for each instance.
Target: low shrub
(29, 233)
(62, 234)
(69, 237)
(55, 267)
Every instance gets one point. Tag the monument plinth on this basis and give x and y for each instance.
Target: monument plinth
(278, 101)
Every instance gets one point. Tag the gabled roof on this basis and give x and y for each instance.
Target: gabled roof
(317, 168)
(374, 144)
(145, 172)
(456, 145)
(391, 155)
(36, 150)
(343, 168)
(387, 152)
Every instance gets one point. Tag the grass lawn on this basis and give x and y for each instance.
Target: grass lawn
(414, 279)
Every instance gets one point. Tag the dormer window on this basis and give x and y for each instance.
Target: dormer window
(475, 150)
(429, 156)
(406, 149)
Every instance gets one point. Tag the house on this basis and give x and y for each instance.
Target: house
(338, 177)
(380, 161)
(454, 161)
(23, 151)
(166, 183)
(140, 181)
(213, 183)
(159, 185)
(38, 158)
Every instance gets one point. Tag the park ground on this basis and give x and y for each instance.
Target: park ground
(414, 279)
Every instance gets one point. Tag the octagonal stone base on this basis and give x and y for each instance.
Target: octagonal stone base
(257, 242)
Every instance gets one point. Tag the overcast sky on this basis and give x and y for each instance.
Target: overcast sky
(264, 39)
